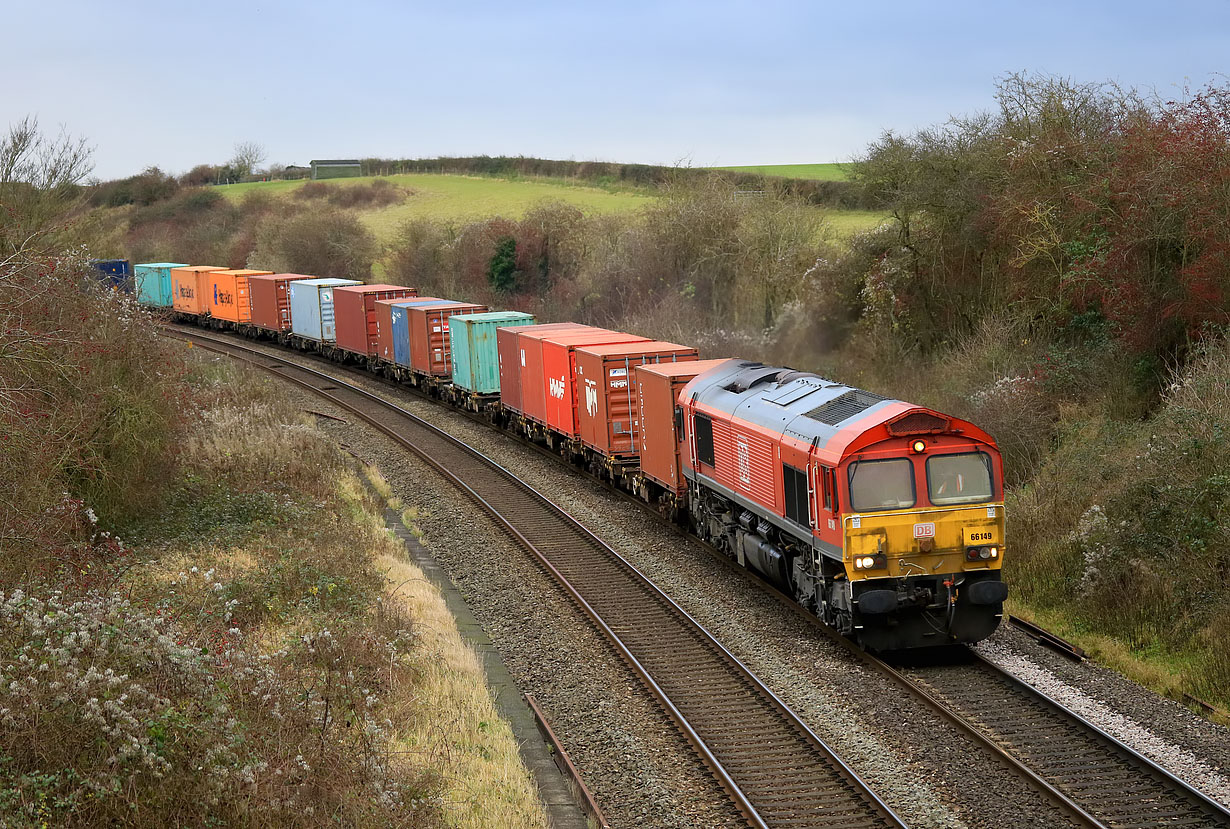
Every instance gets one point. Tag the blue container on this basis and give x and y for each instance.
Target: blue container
(311, 307)
(476, 361)
(401, 326)
(114, 273)
(154, 283)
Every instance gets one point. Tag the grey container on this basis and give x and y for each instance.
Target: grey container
(311, 307)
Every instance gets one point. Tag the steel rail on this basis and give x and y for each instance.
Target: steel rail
(758, 805)
(1056, 795)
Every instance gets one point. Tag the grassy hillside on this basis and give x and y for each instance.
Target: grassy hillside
(812, 172)
(450, 197)
(460, 198)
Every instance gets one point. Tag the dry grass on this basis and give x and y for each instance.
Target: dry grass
(449, 715)
(249, 663)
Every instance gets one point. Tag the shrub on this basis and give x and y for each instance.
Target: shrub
(323, 241)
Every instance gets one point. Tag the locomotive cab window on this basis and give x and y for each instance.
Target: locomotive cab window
(704, 438)
(794, 488)
(960, 479)
(885, 484)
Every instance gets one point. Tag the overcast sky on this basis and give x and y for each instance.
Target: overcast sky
(703, 83)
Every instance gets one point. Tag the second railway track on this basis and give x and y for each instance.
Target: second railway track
(775, 769)
(1095, 779)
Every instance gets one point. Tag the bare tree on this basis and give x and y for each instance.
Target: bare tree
(248, 156)
(39, 181)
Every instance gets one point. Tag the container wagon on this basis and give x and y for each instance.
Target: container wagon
(192, 289)
(355, 308)
(430, 351)
(311, 311)
(608, 410)
(230, 297)
(475, 356)
(660, 437)
(154, 283)
(270, 297)
(385, 308)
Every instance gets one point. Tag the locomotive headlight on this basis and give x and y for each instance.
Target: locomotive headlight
(870, 562)
(919, 447)
(994, 552)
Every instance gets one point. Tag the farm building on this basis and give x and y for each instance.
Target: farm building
(344, 168)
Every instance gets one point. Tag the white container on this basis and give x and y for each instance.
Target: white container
(311, 307)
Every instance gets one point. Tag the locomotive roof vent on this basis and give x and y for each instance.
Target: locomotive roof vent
(917, 423)
(844, 406)
(753, 375)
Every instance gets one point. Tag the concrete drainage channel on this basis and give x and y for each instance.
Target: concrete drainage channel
(565, 797)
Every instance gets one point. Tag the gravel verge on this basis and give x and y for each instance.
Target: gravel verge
(1187, 745)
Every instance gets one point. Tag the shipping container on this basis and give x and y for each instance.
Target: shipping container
(659, 437)
(513, 358)
(191, 286)
(473, 349)
(154, 283)
(356, 315)
(429, 345)
(606, 391)
(385, 349)
(271, 301)
(311, 307)
(229, 295)
(114, 273)
(559, 369)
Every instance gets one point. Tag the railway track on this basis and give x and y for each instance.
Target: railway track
(1092, 777)
(775, 769)
(1106, 780)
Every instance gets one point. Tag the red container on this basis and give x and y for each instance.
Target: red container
(354, 310)
(429, 344)
(270, 302)
(384, 325)
(658, 440)
(559, 369)
(512, 358)
(607, 409)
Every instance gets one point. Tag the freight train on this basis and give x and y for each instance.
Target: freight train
(884, 518)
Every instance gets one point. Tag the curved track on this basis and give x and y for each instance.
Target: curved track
(775, 769)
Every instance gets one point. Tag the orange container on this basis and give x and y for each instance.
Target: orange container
(607, 410)
(513, 359)
(429, 343)
(229, 295)
(659, 438)
(190, 289)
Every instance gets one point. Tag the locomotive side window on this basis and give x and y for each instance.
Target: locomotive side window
(886, 484)
(960, 479)
(704, 438)
(794, 488)
(830, 488)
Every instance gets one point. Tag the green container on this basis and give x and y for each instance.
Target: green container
(476, 362)
(154, 283)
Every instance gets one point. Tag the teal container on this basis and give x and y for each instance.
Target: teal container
(154, 283)
(476, 362)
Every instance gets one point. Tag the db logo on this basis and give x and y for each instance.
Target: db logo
(557, 387)
(924, 530)
(591, 397)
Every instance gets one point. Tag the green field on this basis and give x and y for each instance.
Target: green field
(464, 198)
(812, 172)
(460, 198)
